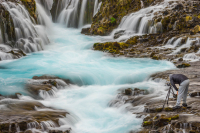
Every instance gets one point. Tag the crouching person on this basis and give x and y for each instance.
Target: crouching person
(183, 82)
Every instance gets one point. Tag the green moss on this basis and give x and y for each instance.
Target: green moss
(132, 40)
(113, 20)
(168, 109)
(187, 18)
(159, 109)
(31, 7)
(155, 57)
(147, 123)
(183, 65)
(175, 117)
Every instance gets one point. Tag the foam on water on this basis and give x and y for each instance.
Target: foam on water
(98, 75)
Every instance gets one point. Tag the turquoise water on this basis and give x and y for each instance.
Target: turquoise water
(97, 74)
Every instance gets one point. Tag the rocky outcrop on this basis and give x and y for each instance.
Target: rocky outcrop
(155, 117)
(112, 12)
(22, 116)
(177, 37)
(110, 15)
(45, 86)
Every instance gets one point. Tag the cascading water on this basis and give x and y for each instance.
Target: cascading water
(77, 13)
(46, 4)
(82, 12)
(97, 75)
(141, 22)
(29, 36)
(95, 7)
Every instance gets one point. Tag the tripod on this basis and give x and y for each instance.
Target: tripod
(168, 94)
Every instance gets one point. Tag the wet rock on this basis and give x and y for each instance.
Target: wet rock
(147, 123)
(19, 113)
(128, 91)
(193, 94)
(45, 85)
(119, 33)
(85, 31)
(59, 131)
(179, 7)
(183, 65)
(67, 81)
(180, 59)
(165, 13)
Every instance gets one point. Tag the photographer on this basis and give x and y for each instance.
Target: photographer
(183, 82)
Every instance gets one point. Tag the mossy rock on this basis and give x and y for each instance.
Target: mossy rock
(31, 7)
(128, 91)
(156, 57)
(187, 18)
(159, 109)
(132, 40)
(184, 65)
(175, 117)
(168, 109)
(147, 123)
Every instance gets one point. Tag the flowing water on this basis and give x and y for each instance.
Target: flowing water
(98, 75)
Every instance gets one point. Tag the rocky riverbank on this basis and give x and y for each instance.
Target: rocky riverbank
(157, 119)
(19, 113)
(177, 40)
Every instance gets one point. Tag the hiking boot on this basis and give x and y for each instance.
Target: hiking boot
(176, 107)
(184, 105)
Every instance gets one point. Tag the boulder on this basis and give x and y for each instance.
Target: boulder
(128, 91)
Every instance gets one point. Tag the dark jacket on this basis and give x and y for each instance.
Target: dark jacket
(177, 79)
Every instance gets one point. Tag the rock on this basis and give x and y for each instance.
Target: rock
(161, 121)
(45, 84)
(168, 109)
(147, 123)
(119, 33)
(165, 13)
(67, 81)
(85, 31)
(180, 59)
(128, 91)
(195, 30)
(28, 131)
(23, 112)
(178, 7)
(193, 94)
(183, 65)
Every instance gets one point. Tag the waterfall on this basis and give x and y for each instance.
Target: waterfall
(95, 7)
(142, 21)
(46, 4)
(77, 13)
(83, 6)
(26, 35)
(24, 28)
